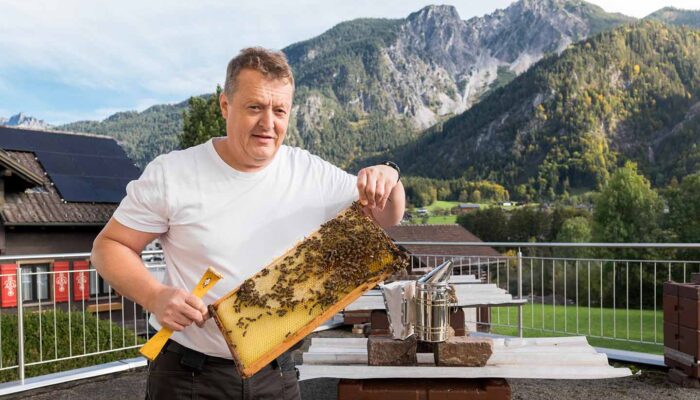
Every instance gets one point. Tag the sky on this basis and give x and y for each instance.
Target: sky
(70, 60)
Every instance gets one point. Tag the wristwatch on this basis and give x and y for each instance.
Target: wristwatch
(394, 166)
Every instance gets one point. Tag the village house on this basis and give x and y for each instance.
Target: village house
(57, 191)
(463, 208)
(427, 256)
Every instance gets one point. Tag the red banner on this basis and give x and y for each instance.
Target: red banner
(60, 281)
(81, 280)
(9, 283)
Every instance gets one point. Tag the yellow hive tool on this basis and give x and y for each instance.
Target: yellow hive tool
(152, 348)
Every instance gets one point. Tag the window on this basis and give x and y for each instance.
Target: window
(35, 282)
(98, 286)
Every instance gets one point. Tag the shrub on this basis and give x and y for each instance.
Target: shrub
(46, 337)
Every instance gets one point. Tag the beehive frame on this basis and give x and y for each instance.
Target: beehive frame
(271, 311)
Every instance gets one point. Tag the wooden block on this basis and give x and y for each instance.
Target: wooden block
(688, 312)
(384, 350)
(433, 389)
(356, 317)
(463, 351)
(671, 313)
(379, 323)
(457, 321)
(671, 335)
(689, 291)
(690, 370)
(689, 341)
(359, 329)
(680, 378)
(671, 288)
(483, 319)
(685, 362)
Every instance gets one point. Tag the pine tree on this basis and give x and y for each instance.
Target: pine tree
(203, 121)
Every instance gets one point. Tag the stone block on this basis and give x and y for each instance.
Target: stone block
(384, 350)
(463, 351)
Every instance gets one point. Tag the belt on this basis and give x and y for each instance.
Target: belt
(193, 358)
(196, 360)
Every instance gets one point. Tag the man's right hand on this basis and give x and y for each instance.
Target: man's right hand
(177, 309)
(116, 256)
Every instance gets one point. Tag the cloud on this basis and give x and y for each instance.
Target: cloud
(98, 114)
(161, 45)
(114, 54)
(642, 8)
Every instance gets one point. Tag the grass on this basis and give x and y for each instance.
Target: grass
(445, 205)
(55, 335)
(438, 219)
(442, 219)
(615, 329)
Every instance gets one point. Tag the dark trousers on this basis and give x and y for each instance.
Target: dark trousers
(180, 373)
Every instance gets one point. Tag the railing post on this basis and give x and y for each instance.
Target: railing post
(20, 326)
(520, 292)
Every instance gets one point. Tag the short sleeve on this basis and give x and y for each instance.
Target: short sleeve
(145, 207)
(340, 189)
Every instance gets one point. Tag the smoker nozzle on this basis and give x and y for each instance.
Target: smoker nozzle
(441, 274)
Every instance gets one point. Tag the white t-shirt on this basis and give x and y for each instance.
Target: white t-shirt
(213, 215)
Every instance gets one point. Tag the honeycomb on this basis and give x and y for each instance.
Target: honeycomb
(271, 311)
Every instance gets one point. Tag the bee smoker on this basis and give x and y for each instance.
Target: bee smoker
(420, 307)
(432, 304)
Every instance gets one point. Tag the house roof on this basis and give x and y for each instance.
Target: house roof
(14, 167)
(42, 205)
(439, 233)
(83, 168)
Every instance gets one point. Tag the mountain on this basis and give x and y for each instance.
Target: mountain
(627, 94)
(369, 85)
(144, 135)
(24, 121)
(675, 16)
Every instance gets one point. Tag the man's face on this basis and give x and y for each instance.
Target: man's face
(256, 117)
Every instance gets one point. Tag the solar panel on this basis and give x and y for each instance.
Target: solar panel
(79, 188)
(84, 165)
(82, 168)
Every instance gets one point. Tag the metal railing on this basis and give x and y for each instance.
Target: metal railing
(616, 301)
(63, 310)
(610, 299)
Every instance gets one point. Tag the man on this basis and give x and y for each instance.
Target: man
(234, 203)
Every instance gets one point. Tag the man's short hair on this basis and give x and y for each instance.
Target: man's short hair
(272, 64)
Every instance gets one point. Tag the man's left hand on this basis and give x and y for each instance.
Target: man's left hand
(375, 185)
